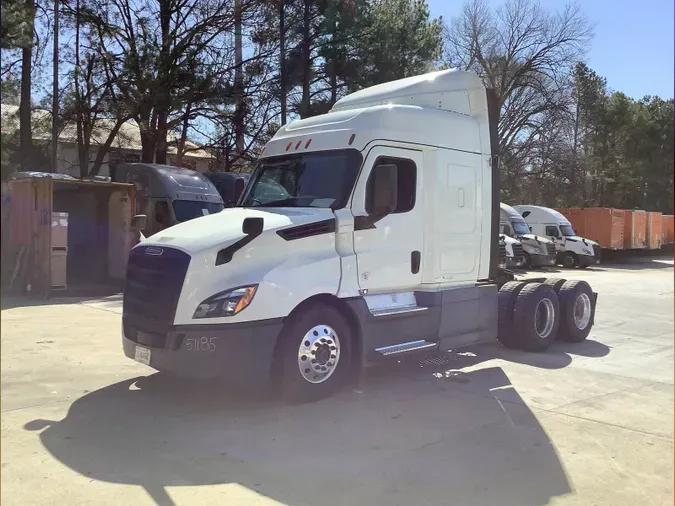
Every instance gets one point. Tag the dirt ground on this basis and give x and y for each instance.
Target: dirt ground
(588, 424)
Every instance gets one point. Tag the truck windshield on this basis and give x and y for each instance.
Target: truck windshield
(322, 179)
(567, 230)
(187, 210)
(520, 227)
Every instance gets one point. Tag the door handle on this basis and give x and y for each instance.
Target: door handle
(415, 258)
(460, 197)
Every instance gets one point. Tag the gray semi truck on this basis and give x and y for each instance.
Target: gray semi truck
(168, 195)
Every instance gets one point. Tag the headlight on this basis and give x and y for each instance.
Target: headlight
(227, 303)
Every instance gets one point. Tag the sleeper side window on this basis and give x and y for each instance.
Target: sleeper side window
(407, 184)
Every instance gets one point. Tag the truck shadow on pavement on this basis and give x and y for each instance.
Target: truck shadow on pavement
(449, 429)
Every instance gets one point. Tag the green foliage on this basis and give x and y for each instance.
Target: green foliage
(401, 40)
(10, 90)
(566, 139)
(16, 29)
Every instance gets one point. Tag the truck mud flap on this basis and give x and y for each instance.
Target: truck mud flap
(595, 304)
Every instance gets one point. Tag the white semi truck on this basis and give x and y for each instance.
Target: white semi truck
(536, 251)
(571, 249)
(514, 252)
(387, 244)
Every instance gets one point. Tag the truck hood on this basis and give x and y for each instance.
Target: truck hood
(508, 240)
(224, 228)
(581, 240)
(535, 238)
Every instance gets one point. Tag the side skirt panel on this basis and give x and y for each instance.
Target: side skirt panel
(450, 319)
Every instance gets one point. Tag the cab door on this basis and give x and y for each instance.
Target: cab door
(553, 233)
(389, 252)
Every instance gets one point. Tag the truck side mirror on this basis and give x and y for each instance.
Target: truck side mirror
(252, 226)
(139, 222)
(385, 190)
(239, 185)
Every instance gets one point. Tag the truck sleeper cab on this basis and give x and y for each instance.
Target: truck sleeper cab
(383, 242)
(537, 251)
(571, 250)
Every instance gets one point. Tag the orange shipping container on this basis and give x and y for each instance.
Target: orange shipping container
(668, 229)
(635, 230)
(603, 225)
(653, 230)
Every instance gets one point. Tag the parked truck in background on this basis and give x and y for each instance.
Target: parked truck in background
(515, 259)
(229, 185)
(386, 244)
(571, 249)
(168, 195)
(538, 251)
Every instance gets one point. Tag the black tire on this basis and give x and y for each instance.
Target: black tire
(535, 302)
(555, 283)
(570, 260)
(527, 261)
(569, 294)
(293, 386)
(506, 300)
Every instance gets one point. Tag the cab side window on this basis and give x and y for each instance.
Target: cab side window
(407, 184)
(506, 230)
(552, 231)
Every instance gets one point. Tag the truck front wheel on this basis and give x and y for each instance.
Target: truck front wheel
(314, 354)
(570, 260)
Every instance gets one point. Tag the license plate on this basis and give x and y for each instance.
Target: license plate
(142, 355)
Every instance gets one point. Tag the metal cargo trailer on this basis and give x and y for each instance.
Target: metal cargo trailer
(603, 225)
(635, 230)
(667, 229)
(653, 230)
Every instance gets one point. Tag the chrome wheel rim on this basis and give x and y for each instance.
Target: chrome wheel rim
(582, 311)
(319, 354)
(544, 317)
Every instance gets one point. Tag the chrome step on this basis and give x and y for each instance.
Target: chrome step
(395, 349)
(389, 311)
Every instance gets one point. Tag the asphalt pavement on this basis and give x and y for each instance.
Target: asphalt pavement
(582, 424)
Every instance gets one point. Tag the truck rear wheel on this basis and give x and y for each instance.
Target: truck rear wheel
(577, 310)
(555, 283)
(536, 317)
(506, 300)
(314, 354)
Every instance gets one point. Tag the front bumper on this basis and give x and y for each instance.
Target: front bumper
(587, 260)
(239, 353)
(541, 260)
(514, 262)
